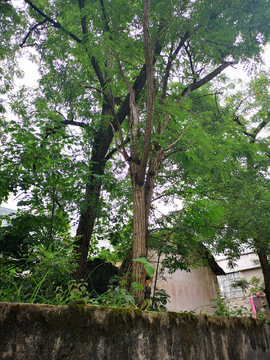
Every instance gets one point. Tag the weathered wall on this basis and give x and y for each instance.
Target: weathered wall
(190, 291)
(37, 332)
(246, 261)
(249, 273)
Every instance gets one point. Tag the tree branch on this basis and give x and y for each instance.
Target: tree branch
(124, 109)
(175, 151)
(191, 63)
(56, 24)
(74, 123)
(207, 78)
(218, 107)
(170, 146)
(92, 58)
(150, 90)
(126, 156)
(104, 17)
(113, 151)
(71, 122)
(195, 86)
(236, 119)
(259, 128)
(83, 18)
(169, 64)
(31, 30)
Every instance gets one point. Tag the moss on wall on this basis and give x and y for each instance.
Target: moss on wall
(77, 331)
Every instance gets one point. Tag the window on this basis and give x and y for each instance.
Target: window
(225, 284)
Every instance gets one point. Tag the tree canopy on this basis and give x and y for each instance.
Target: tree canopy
(127, 86)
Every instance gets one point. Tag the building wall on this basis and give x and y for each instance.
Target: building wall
(246, 269)
(4, 212)
(245, 262)
(248, 274)
(190, 291)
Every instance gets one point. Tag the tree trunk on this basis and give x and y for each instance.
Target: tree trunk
(154, 165)
(85, 228)
(92, 194)
(139, 230)
(266, 272)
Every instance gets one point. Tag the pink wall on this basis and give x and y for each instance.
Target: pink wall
(190, 290)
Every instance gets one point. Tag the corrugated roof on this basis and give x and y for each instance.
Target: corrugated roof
(7, 209)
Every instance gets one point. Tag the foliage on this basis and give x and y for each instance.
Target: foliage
(12, 24)
(242, 283)
(223, 308)
(26, 236)
(85, 51)
(159, 300)
(256, 286)
(227, 195)
(47, 269)
(178, 136)
(116, 296)
(146, 265)
(252, 287)
(49, 281)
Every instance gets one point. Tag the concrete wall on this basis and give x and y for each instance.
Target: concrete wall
(246, 269)
(190, 291)
(244, 263)
(4, 212)
(31, 332)
(248, 274)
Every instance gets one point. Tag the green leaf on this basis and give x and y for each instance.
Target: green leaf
(141, 260)
(150, 269)
(137, 285)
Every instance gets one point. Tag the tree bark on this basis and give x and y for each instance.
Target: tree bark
(154, 165)
(92, 194)
(139, 230)
(87, 222)
(266, 272)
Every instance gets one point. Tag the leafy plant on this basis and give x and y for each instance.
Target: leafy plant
(74, 291)
(147, 266)
(159, 300)
(256, 285)
(48, 269)
(224, 308)
(117, 297)
(252, 287)
(242, 283)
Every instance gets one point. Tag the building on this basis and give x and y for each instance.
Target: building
(4, 212)
(246, 267)
(191, 291)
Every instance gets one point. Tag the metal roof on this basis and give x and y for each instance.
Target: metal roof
(7, 209)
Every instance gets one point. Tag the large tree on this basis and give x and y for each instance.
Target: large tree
(228, 208)
(107, 67)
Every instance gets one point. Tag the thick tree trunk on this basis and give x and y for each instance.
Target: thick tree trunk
(266, 272)
(152, 174)
(85, 228)
(139, 230)
(92, 194)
